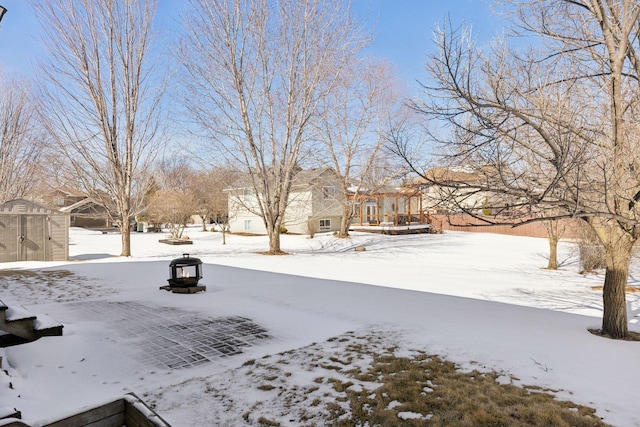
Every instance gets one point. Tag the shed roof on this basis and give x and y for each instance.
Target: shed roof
(26, 206)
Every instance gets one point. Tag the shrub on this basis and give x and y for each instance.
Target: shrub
(591, 257)
(591, 252)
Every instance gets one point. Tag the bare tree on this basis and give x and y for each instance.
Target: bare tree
(175, 199)
(256, 73)
(217, 200)
(554, 129)
(353, 130)
(208, 189)
(102, 96)
(21, 141)
(555, 230)
(172, 208)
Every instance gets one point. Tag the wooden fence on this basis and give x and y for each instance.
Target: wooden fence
(462, 222)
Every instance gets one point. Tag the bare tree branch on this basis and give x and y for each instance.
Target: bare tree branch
(103, 96)
(256, 73)
(550, 133)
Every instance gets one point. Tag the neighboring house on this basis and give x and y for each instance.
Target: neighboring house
(88, 213)
(315, 204)
(32, 232)
(453, 190)
(63, 196)
(84, 210)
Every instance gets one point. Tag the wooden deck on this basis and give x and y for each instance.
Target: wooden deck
(127, 411)
(393, 229)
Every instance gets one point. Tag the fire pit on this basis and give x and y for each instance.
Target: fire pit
(186, 272)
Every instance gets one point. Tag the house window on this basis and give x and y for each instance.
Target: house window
(247, 224)
(328, 192)
(325, 225)
(59, 201)
(247, 193)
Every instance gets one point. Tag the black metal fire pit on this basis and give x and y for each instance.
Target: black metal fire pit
(186, 272)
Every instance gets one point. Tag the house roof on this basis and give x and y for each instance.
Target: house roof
(450, 175)
(309, 176)
(68, 191)
(24, 205)
(84, 202)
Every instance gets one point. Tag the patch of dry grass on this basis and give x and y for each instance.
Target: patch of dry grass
(628, 289)
(371, 378)
(426, 390)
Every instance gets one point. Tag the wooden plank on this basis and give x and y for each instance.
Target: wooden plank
(138, 414)
(12, 422)
(176, 242)
(115, 420)
(112, 412)
(134, 418)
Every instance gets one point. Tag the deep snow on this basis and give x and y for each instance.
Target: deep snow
(480, 300)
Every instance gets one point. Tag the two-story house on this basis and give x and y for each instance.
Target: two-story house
(314, 205)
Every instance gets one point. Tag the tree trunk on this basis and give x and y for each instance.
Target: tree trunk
(345, 221)
(553, 253)
(224, 236)
(614, 319)
(125, 234)
(274, 241)
(554, 232)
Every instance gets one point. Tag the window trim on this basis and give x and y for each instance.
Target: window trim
(326, 227)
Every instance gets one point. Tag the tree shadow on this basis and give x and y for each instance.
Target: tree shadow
(85, 257)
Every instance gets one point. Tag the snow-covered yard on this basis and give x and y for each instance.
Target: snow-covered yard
(480, 300)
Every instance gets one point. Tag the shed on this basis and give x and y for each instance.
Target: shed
(32, 232)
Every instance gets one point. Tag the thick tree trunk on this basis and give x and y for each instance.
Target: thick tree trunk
(614, 319)
(274, 241)
(345, 221)
(273, 231)
(125, 234)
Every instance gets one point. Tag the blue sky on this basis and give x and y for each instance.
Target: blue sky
(402, 29)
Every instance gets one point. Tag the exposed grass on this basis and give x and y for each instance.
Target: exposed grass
(262, 421)
(628, 289)
(266, 387)
(426, 390)
(374, 379)
(631, 335)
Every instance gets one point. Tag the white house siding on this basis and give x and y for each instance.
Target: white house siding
(241, 219)
(299, 210)
(307, 206)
